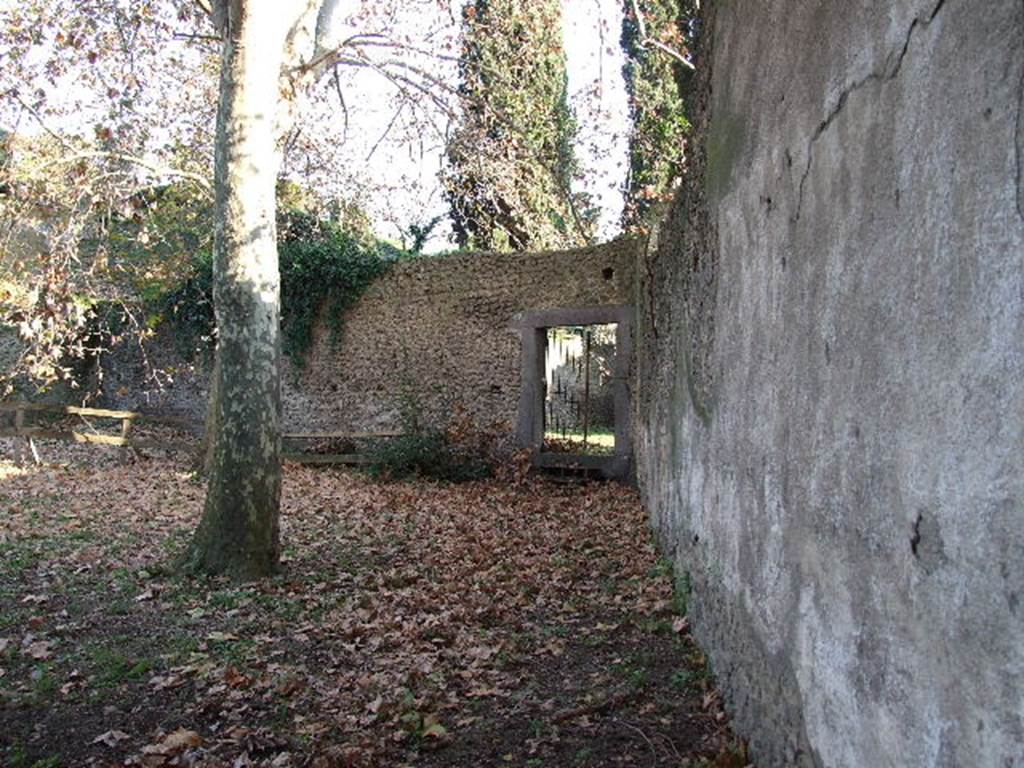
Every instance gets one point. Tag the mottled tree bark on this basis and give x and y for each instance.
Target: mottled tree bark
(238, 534)
(271, 53)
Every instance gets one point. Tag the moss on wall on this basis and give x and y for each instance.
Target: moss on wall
(724, 146)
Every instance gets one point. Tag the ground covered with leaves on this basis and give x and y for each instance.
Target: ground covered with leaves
(413, 623)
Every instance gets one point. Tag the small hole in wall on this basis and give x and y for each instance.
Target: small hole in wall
(696, 539)
(607, 273)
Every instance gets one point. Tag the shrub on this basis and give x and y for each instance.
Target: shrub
(456, 454)
(427, 453)
(190, 306)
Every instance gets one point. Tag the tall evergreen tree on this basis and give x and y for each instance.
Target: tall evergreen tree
(511, 161)
(654, 81)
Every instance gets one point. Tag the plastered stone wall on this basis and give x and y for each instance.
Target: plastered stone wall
(441, 329)
(831, 379)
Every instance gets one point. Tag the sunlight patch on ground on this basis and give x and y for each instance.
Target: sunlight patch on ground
(10, 469)
(602, 439)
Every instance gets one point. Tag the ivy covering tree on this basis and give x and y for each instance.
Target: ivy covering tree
(511, 161)
(654, 81)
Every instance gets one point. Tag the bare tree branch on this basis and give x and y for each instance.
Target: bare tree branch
(341, 100)
(159, 170)
(403, 83)
(193, 36)
(394, 119)
(325, 59)
(645, 40)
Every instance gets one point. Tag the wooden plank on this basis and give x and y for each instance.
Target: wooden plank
(21, 406)
(85, 437)
(126, 425)
(68, 435)
(102, 413)
(90, 437)
(327, 458)
(340, 435)
(573, 460)
(19, 424)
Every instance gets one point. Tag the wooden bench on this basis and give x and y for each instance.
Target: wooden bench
(22, 428)
(30, 432)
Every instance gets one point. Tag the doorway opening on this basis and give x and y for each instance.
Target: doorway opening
(579, 389)
(574, 411)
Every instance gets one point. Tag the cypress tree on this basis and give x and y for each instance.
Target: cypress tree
(510, 161)
(654, 81)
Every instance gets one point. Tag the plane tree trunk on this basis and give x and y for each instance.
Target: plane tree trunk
(271, 53)
(238, 534)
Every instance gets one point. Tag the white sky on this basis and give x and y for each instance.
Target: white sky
(595, 59)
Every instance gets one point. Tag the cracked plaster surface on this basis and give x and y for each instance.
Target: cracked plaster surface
(1019, 138)
(889, 72)
(851, 513)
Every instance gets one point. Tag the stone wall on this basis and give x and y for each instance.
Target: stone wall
(440, 329)
(445, 329)
(831, 378)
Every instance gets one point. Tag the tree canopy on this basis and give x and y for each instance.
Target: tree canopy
(125, 139)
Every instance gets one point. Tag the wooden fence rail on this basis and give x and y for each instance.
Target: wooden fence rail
(30, 432)
(304, 457)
